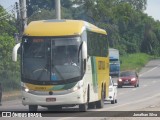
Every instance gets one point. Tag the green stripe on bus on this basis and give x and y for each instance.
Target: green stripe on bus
(94, 73)
(63, 87)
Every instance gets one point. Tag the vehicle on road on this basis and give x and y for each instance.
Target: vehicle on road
(112, 92)
(114, 62)
(45, 78)
(128, 78)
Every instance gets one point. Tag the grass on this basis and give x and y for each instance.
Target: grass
(134, 61)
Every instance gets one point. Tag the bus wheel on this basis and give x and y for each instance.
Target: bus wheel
(83, 107)
(33, 107)
(91, 105)
(100, 103)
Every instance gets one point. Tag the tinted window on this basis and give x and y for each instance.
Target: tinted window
(124, 74)
(97, 44)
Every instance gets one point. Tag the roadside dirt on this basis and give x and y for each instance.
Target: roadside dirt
(6, 96)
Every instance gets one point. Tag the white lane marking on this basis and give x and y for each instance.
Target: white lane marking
(133, 102)
(105, 109)
(134, 89)
(123, 93)
(150, 70)
(144, 85)
(154, 81)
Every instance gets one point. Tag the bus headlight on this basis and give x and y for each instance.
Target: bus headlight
(27, 90)
(24, 89)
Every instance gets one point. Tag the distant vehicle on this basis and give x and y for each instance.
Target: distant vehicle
(114, 62)
(128, 78)
(112, 92)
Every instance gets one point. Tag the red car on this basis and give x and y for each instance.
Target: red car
(128, 78)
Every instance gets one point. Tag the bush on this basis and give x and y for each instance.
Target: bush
(134, 61)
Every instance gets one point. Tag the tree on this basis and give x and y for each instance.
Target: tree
(36, 5)
(124, 21)
(9, 71)
(139, 5)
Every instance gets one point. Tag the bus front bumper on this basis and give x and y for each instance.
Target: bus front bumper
(76, 97)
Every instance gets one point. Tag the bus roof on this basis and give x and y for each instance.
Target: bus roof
(60, 28)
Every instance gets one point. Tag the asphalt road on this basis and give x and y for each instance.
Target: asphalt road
(142, 98)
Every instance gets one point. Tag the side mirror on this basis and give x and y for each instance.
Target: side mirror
(84, 50)
(15, 51)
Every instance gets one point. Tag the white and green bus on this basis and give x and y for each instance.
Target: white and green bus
(63, 63)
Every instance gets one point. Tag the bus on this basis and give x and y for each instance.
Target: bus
(63, 63)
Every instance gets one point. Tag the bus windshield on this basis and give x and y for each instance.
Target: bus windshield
(51, 59)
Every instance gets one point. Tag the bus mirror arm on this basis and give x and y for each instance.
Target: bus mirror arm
(80, 47)
(15, 51)
(83, 47)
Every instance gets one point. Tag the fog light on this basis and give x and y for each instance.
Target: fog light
(26, 89)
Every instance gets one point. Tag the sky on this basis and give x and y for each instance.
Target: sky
(153, 7)
(7, 3)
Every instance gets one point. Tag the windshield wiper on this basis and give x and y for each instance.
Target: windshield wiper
(59, 74)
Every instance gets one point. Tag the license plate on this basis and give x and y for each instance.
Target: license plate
(126, 82)
(50, 99)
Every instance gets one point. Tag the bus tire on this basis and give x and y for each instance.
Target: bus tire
(112, 101)
(33, 107)
(91, 105)
(100, 103)
(84, 107)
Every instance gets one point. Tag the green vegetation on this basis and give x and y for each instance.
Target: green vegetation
(9, 71)
(134, 61)
(129, 29)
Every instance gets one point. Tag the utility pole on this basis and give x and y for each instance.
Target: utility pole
(23, 11)
(18, 23)
(58, 9)
(17, 10)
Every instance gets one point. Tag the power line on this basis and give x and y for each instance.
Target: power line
(8, 10)
(4, 16)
